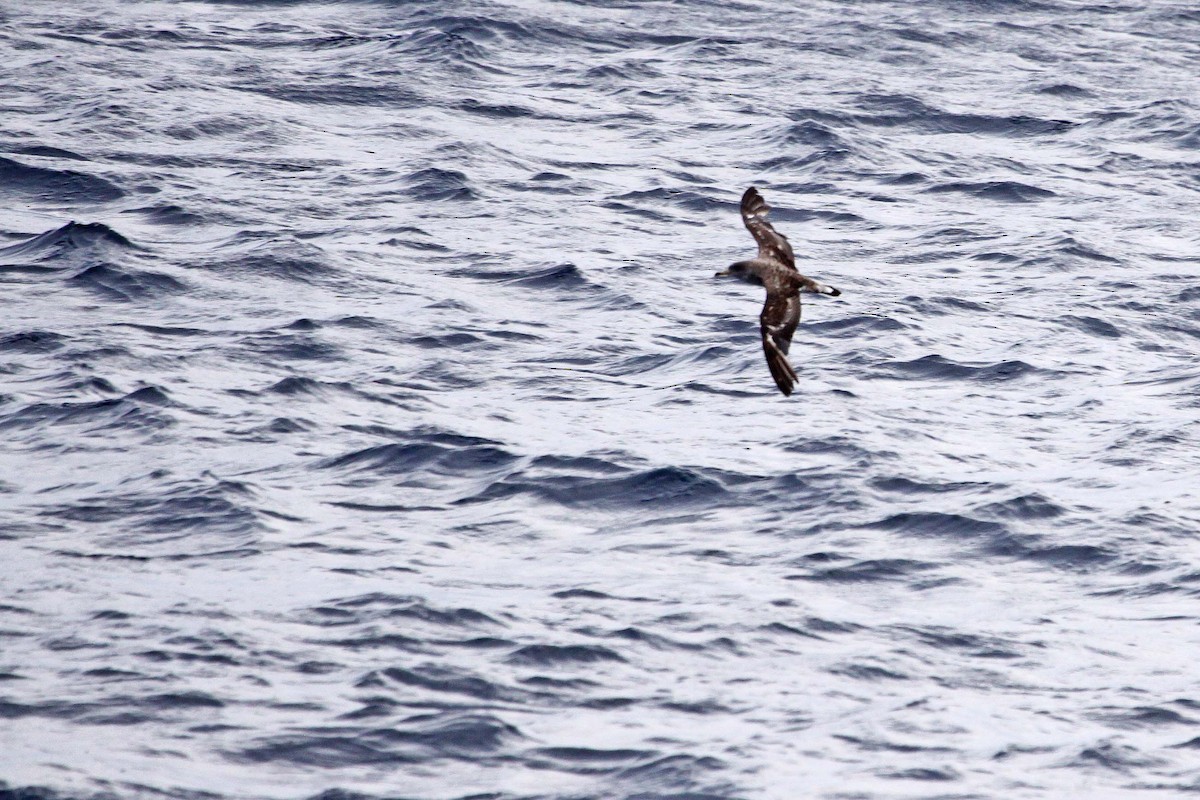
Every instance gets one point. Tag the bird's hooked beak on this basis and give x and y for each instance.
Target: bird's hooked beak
(723, 274)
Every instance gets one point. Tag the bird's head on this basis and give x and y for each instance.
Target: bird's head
(742, 271)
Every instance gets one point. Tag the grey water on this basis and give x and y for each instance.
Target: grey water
(372, 426)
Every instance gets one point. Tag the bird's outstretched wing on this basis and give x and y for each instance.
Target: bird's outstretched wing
(778, 320)
(771, 243)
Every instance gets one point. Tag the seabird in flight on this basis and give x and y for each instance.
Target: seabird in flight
(774, 269)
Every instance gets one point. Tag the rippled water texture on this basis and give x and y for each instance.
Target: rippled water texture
(372, 426)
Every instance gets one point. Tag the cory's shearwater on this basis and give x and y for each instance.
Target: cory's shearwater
(774, 269)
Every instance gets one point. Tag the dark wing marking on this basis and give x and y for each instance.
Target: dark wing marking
(778, 321)
(771, 243)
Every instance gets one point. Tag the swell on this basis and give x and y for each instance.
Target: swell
(89, 256)
(51, 186)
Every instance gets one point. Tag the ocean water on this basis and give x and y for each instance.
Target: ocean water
(372, 425)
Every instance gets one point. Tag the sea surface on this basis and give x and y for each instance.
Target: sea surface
(372, 424)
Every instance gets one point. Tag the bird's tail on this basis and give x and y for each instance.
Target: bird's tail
(821, 288)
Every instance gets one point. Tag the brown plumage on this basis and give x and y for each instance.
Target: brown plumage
(775, 270)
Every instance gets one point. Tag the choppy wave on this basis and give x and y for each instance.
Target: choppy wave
(373, 425)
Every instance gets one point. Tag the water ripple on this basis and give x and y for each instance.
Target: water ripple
(373, 424)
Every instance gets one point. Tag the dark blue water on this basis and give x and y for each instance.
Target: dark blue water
(371, 425)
